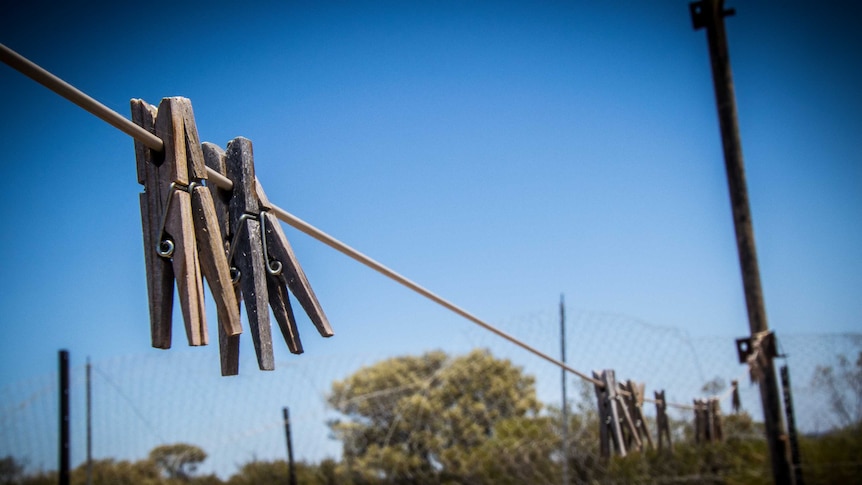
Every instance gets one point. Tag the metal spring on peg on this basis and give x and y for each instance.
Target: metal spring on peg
(273, 267)
(165, 247)
(235, 273)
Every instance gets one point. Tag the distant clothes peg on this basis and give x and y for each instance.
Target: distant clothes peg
(662, 421)
(635, 401)
(609, 414)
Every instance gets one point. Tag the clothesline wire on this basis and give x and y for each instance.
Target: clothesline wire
(66, 90)
(76, 96)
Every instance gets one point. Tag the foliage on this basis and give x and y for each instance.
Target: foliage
(832, 457)
(714, 387)
(475, 419)
(177, 461)
(40, 478)
(121, 472)
(419, 419)
(11, 472)
(521, 450)
(844, 388)
(259, 472)
(256, 471)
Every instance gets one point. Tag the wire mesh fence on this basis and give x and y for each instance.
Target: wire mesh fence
(492, 415)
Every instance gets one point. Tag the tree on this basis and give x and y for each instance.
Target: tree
(419, 419)
(11, 472)
(714, 387)
(521, 450)
(178, 461)
(844, 387)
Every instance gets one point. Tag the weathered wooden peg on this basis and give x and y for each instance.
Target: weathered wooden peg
(181, 234)
(707, 421)
(246, 248)
(263, 264)
(609, 414)
(214, 157)
(716, 428)
(283, 272)
(662, 421)
(634, 399)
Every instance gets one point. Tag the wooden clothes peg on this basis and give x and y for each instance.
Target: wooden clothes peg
(182, 240)
(635, 402)
(630, 431)
(709, 419)
(246, 248)
(716, 430)
(289, 273)
(228, 344)
(604, 412)
(702, 421)
(609, 414)
(263, 262)
(662, 421)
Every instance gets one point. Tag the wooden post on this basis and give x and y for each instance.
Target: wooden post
(736, 404)
(290, 467)
(565, 409)
(635, 402)
(89, 425)
(710, 14)
(791, 425)
(64, 418)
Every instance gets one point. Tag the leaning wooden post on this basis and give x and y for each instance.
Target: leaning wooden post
(710, 14)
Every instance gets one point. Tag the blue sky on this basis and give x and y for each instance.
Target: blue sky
(497, 153)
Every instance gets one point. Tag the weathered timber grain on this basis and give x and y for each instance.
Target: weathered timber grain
(281, 250)
(178, 223)
(248, 254)
(214, 157)
(160, 274)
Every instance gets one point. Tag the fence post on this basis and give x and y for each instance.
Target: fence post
(565, 410)
(64, 417)
(89, 425)
(291, 471)
(791, 425)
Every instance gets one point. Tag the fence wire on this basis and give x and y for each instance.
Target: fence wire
(436, 428)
